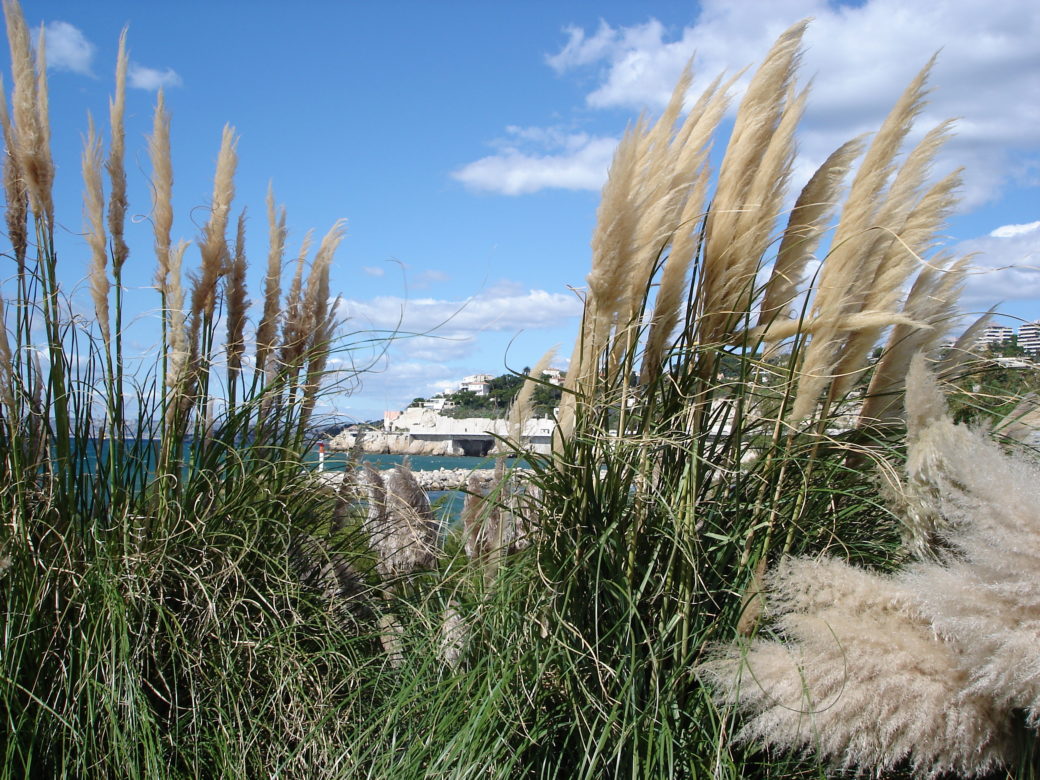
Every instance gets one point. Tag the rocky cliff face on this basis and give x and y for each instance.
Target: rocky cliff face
(383, 443)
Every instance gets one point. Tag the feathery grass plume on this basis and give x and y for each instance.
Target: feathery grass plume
(752, 181)
(391, 636)
(178, 347)
(376, 524)
(116, 172)
(15, 193)
(94, 204)
(848, 270)
(690, 169)
(654, 194)
(1022, 423)
(859, 679)
(237, 305)
(265, 331)
(328, 572)
(318, 356)
(162, 190)
(932, 301)
(317, 322)
(414, 545)
(672, 291)
(902, 254)
(669, 196)
(986, 599)
(520, 410)
(612, 241)
(400, 524)
(30, 118)
(814, 207)
(312, 328)
(962, 350)
(472, 508)
(453, 635)
(656, 201)
(293, 316)
(213, 244)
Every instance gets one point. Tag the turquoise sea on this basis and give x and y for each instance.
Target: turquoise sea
(448, 503)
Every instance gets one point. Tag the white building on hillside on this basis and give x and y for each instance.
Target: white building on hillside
(478, 383)
(555, 376)
(1029, 337)
(996, 335)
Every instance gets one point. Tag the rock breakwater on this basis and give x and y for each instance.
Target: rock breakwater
(436, 479)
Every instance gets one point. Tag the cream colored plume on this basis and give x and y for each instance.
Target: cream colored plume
(859, 679)
(266, 330)
(849, 270)
(29, 114)
(116, 172)
(94, 205)
(162, 190)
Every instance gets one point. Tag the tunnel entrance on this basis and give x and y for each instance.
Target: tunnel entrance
(474, 448)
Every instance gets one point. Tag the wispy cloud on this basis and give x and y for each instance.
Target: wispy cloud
(1010, 231)
(373, 270)
(151, 79)
(67, 48)
(1006, 266)
(860, 56)
(501, 309)
(533, 159)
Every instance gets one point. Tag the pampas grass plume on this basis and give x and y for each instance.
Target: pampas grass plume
(94, 204)
(30, 115)
(14, 187)
(987, 598)
(859, 679)
(117, 203)
(162, 190)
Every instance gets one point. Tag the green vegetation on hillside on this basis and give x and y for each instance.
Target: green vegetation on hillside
(502, 394)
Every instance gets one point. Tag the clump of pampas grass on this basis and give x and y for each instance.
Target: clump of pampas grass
(400, 524)
(925, 666)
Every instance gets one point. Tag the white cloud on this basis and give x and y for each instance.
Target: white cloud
(860, 57)
(532, 159)
(67, 48)
(1010, 231)
(373, 270)
(434, 342)
(496, 310)
(151, 79)
(1006, 267)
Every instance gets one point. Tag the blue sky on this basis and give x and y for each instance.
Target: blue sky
(465, 142)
